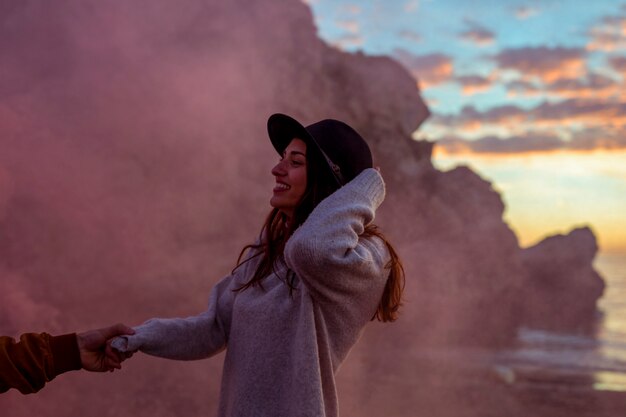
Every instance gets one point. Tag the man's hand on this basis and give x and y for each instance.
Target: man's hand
(94, 354)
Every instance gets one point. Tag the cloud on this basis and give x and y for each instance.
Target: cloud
(351, 8)
(543, 63)
(562, 115)
(593, 112)
(350, 26)
(586, 140)
(523, 88)
(615, 23)
(494, 144)
(477, 34)
(472, 84)
(609, 34)
(469, 117)
(351, 38)
(592, 85)
(348, 41)
(618, 63)
(411, 6)
(410, 35)
(595, 138)
(430, 69)
(525, 12)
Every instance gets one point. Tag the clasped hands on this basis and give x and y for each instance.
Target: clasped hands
(96, 353)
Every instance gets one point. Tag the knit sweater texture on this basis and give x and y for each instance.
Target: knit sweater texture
(282, 349)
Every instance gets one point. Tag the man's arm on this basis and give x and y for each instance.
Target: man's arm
(38, 358)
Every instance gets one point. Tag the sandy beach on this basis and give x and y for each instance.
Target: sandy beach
(459, 386)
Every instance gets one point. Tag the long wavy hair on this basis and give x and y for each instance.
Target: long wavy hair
(276, 231)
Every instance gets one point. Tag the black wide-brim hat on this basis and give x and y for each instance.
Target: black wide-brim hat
(345, 151)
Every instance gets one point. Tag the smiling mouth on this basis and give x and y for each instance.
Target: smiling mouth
(281, 187)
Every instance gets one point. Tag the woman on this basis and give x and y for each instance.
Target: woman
(299, 298)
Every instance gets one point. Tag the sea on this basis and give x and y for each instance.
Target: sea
(596, 360)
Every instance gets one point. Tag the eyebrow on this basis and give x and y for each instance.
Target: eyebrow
(295, 153)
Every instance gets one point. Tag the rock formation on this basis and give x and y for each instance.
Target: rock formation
(133, 134)
(562, 286)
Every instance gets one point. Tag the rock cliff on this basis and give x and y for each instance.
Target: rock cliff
(562, 286)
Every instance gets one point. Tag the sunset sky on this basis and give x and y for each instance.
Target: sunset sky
(531, 94)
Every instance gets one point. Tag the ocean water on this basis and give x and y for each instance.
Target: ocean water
(598, 361)
(612, 334)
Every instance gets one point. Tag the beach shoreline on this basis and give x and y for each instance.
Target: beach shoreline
(440, 383)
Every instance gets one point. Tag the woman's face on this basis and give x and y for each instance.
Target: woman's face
(290, 174)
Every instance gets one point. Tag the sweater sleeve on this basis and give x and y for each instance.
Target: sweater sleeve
(329, 253)
(35, 360)
(188, 338)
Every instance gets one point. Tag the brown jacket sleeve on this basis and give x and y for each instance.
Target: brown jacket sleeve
(36, 359)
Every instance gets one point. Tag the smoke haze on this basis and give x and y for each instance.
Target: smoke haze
(134, 166)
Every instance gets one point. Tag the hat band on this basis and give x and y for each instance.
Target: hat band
(335, 169)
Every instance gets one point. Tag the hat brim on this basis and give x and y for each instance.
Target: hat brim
(282, 129)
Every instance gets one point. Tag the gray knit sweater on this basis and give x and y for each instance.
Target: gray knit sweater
(282, 350)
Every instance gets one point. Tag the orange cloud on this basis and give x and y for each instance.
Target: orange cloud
(478, 37)
(477, 34)
(351, 38)
(472, 126)
(543, 63)
(350, 26)
(472, 84)
(566, 118)
(588, 112)
(495, 144)
(595, 138)
(351, 8)
(525, 12)
(469, 115)
(430, 70)
(592, 86)
(348, 41)
(534, 142)
(608, 35)
(618, 63)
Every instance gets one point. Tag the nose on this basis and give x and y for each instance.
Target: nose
(279, 169)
